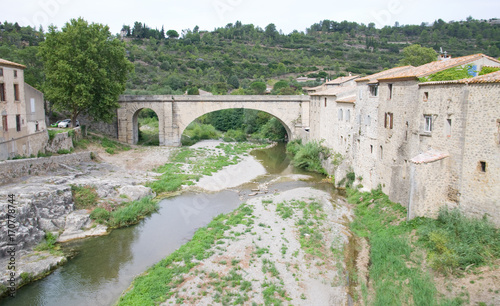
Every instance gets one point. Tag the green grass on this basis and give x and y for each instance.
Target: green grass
(199, 163)
(127, 214)
(157, 284)
(398, 269)
(84, 197)
(111, 146)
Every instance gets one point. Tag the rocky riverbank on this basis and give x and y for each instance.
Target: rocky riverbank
(44, 204)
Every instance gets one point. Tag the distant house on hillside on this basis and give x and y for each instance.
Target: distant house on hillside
(23, 130)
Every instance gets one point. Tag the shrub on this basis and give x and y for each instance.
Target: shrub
(100, 215)
(308, 156)
(84, 196)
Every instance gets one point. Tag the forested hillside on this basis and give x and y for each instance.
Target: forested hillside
(239, 54)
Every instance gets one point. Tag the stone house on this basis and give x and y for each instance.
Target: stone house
(426, 144)
(22, 131)
(460, 144)
(366, 149)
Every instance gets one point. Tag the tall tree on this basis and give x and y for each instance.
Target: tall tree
(85, 68)
(417, 55)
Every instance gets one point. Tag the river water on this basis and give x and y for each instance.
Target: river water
(105, 266)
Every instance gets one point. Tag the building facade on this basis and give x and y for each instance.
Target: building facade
(426, 144)
(23, 130)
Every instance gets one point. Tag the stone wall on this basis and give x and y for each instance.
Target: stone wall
(61, 141)
(108, 129)
(24, 146)
(480, 188)
(12, 169)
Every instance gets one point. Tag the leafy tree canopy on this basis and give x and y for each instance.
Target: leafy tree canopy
(417, 55)
(85, 68)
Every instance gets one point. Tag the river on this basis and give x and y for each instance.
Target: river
(104, 267)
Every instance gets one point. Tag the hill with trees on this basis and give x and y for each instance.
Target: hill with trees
(239, 55)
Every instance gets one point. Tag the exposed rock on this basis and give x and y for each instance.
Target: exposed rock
(134, 193)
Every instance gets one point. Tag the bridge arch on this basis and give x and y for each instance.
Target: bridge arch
(287, 128)
(175, 113)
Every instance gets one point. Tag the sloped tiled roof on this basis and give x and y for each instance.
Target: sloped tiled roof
(493, 77)
(436, 66)
(341, 80)
(428, 157)
(348, 99)
(335, 91)
(12, 64)
(383, 74)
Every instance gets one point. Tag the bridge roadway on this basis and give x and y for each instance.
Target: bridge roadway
(176, 112)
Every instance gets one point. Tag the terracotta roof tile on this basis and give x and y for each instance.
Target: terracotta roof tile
(335, 91)
(383, 74)
(9, 63)
(436, 66)
(429, 157)
(341, 80)
(348, 99)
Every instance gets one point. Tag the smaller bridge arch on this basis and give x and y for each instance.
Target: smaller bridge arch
(175, 113)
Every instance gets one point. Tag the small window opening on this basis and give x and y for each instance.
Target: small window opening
(37, 127)
(16, 92)
(371, 148)
(5, 127)
(388, 120)
(448, 127)
(368, 120)
(1, 72)
(15, 73)
(381, 152)
(374, 90)
(325, 102)
(428, 123)
(2, 92)
(341, 114)
(18, 123)
(406, 131)
(390, 91)
(348, 115)
(426, 96)
(482, 166)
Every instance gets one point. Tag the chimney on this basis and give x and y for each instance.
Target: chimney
(443, 56)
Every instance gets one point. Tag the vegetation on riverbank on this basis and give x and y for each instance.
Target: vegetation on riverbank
(154, 285)
(188, 165)
(308, 156)
(126, 214)
(402, 252)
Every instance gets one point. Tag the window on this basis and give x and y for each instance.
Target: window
(37, 127)
(325, 102)
(4, 123)
(371, 148)
(388, 121)
(428, 123)
(374, 90)
(16, 92)
(368, 120)
(390, 91)
(32, 102)
(448, 127)
(2, 92)
(341, 114)
(406, 131)
(15, 73)
(482, 166)
(426, 96)
(381, 152)
(348, 115)
(18, 123)
(1, 72)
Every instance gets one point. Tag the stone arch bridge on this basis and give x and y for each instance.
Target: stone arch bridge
(175, 113)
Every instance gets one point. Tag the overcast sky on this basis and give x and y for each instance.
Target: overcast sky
(209, 14)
